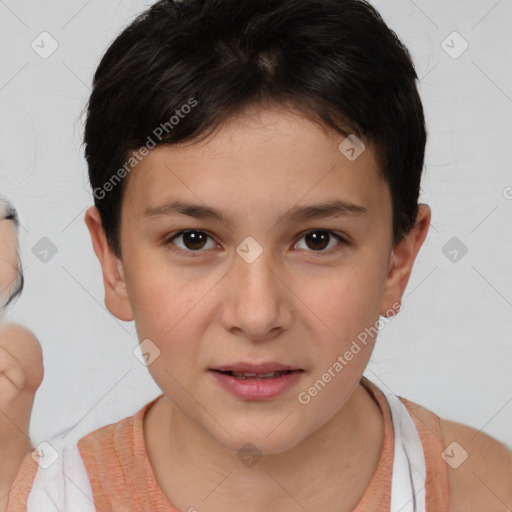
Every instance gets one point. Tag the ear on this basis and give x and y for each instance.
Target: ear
(402, 260)
(116, 296)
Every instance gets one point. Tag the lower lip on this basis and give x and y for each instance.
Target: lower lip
(257, 389)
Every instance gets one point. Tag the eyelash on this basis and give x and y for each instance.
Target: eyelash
(194, 254)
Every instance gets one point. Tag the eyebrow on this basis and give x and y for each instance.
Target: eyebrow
(334, 208)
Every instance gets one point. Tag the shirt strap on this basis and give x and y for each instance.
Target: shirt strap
(61, 482)
(409, 468)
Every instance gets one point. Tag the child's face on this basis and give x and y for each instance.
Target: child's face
(302, 302)
(8, 256)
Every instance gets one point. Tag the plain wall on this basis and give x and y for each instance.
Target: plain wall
(449, 349)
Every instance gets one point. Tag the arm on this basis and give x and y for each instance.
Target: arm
(21, 373)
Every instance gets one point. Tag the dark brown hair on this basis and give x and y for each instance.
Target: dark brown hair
(336, 61)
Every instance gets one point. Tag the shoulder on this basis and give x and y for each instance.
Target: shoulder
(118, 433)
(118, 445)
(479, 469)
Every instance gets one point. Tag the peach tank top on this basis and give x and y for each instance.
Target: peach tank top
(109, 470)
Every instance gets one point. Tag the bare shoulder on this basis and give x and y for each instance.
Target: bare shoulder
(479, 469)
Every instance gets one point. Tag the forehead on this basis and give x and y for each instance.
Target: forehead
(262, 158)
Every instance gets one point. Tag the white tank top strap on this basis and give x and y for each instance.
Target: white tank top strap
(61, 484)
(409, 468)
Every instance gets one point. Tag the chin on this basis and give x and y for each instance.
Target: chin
(257, 441)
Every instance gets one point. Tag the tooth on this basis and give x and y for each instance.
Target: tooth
(241, 375)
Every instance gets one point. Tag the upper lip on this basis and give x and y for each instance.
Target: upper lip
(246, 367)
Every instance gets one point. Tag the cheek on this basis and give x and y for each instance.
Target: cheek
(348, 300)
(8, 256)
(169, 309)
(165, 299)
(8, 272)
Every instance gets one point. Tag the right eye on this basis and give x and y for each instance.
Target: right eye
(193, 241)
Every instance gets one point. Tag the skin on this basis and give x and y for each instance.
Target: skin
(21, 374)
(292, 304)
(8, 258)
(21, 371)
(215, 308)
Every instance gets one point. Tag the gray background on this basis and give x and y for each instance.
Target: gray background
(449, 349)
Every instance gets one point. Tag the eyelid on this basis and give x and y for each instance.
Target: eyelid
(168, 241)
(342, 238)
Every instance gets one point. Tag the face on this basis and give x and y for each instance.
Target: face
(9, 268)
(272, 280)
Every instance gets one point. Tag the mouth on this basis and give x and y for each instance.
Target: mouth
(246, 370)
(257, 376)
(248, 381)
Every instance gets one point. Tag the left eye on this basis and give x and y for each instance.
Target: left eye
(319, 237)
(194, 240)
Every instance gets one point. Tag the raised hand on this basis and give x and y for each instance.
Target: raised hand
(21, 361)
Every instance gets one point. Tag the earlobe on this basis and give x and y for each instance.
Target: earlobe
(116, 295)
(402, 260)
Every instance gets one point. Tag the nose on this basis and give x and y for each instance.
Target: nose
(258, 301)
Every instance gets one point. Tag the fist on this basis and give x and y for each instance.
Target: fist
(21, 362)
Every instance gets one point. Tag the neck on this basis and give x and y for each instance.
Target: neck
(330, 470)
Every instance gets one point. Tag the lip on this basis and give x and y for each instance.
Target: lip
(258, 368)
(255, 388)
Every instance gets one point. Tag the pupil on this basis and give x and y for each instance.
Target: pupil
(193, 237)
(316, 236)
(196, 239)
